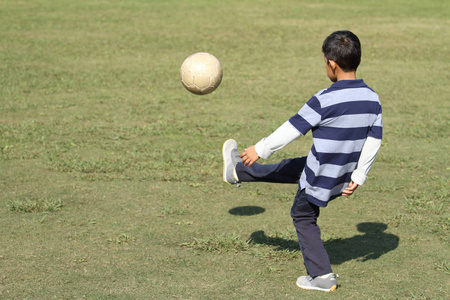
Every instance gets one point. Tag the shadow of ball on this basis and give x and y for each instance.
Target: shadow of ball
(371, 227)
(247, 210)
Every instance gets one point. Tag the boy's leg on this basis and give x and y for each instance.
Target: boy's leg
(287, 171)
(234, 172)
(304, 215)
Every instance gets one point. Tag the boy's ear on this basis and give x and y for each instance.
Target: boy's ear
(333, 64)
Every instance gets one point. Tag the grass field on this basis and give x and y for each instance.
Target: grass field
(110, 171)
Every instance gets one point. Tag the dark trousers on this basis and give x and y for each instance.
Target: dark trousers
(304, 214)
(287, 171)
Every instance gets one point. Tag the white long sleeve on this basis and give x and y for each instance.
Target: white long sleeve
(366, 159)
(281, 137)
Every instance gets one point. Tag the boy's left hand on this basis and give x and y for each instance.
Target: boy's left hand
(249, 156)
(350, 189)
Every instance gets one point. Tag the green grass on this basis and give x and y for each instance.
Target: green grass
(110, 171)
(39, 205)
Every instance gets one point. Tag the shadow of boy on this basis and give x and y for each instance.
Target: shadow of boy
(363, 247)
(370, 245)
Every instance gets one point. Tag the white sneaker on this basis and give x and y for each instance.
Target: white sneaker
(230, 159)
(325, 283)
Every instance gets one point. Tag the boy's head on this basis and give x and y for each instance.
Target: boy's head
(344, 48)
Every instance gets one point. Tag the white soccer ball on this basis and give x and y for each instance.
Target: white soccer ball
(201, 73)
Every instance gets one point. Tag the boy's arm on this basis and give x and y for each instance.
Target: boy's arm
(365, 162)
(366, 159)
(281, 137)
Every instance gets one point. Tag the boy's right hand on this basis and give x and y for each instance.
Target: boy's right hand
(249, 156)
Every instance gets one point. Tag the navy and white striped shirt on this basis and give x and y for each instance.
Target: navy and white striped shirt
(340, 118)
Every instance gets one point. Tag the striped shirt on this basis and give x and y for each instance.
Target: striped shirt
(340, 119)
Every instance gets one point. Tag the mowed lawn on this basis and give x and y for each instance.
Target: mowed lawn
(111, 172)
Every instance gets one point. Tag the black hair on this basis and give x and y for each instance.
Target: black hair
(344, 48)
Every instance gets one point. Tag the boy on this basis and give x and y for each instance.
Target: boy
(346, 126)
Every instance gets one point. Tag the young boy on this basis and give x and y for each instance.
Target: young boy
(346, 124)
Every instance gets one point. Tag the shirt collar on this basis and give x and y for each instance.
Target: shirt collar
(348, 84)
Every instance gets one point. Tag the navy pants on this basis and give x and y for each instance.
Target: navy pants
(287, 171)
(304, 214)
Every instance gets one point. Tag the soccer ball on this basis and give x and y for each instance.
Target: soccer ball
(201, 73)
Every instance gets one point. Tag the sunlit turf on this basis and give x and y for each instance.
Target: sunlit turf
(110, 171)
